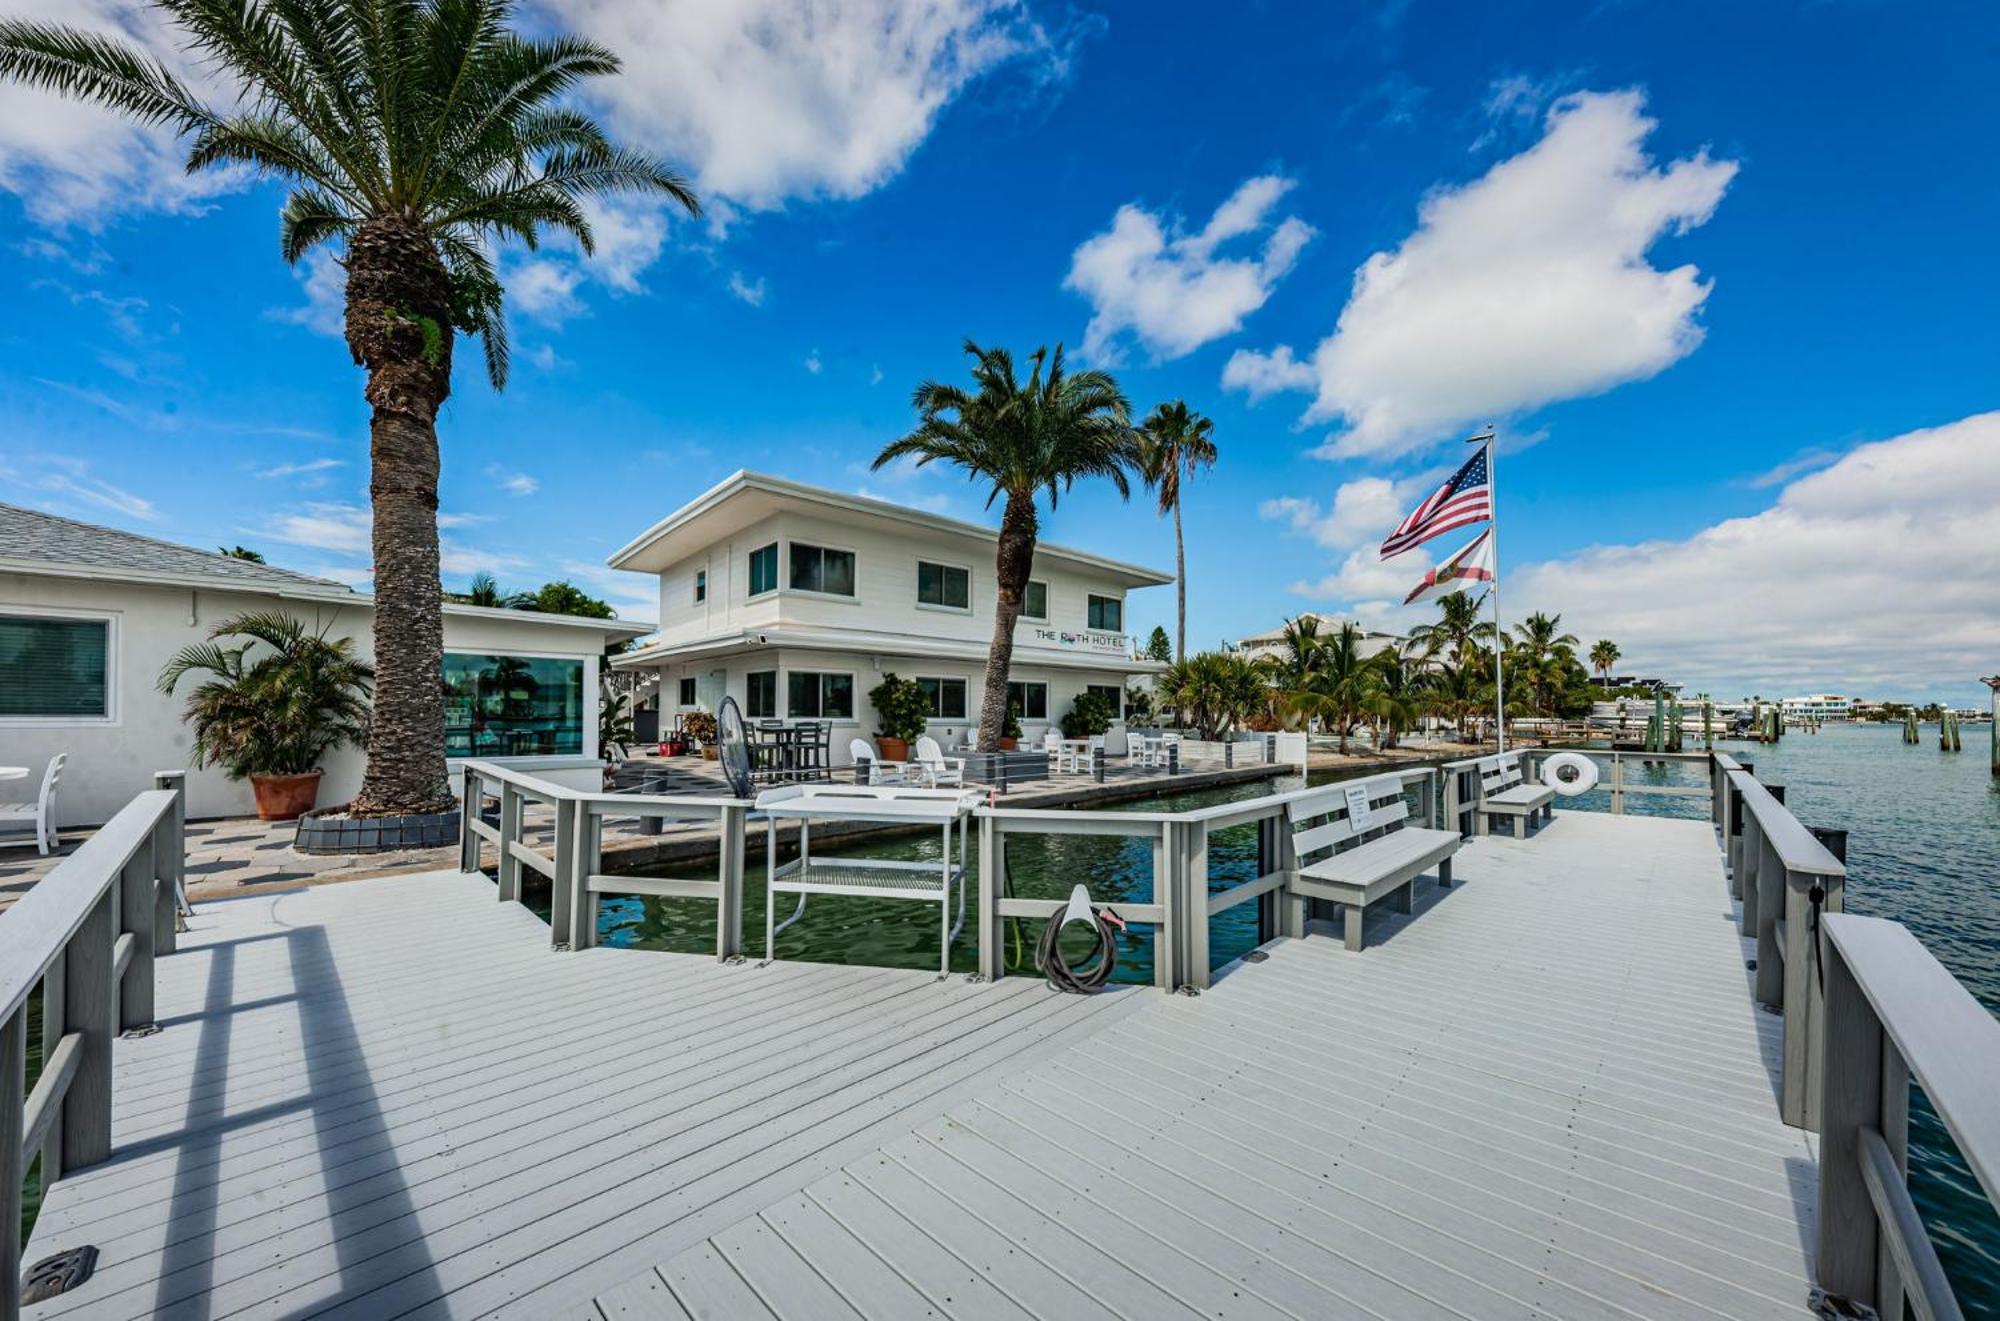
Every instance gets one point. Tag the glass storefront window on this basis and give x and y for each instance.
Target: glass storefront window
(512, 706)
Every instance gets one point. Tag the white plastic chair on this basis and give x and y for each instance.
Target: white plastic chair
(1117, 743)
(936, 769)
(873, 769)
(39, 814)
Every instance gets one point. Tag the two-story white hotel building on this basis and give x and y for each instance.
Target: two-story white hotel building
(795, 600)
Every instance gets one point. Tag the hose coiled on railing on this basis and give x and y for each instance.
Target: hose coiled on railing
(1095, 969)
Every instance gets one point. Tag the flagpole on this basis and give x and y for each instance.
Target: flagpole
(1499, 638)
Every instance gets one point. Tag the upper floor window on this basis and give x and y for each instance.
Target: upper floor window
(700, 586)
(947, 697)
(1108, 613)
(764, 569)
(817, 569)
(944, 585)
(54, 668)
(1035, 601)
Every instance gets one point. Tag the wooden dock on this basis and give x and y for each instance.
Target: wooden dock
(1548, 1092)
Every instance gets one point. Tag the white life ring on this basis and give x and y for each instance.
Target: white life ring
(1569, 773)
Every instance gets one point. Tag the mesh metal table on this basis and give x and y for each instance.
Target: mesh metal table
(881, 878)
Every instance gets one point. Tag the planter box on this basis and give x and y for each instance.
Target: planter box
(332, 831)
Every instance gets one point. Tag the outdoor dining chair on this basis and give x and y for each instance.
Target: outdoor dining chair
(39, 814)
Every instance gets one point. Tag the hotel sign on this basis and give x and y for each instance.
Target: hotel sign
(1100, 644)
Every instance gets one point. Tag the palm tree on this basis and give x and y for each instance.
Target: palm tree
(417, 133)
(1537, 637)
(1339, 687)
(1024, 439)
(1175, 443)
(1401, 691)
(1604, 654)
(1458, 631)
(277, 712)
(1214, 691)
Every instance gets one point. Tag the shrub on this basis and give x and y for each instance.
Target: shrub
(903, 706)
(1090, 716)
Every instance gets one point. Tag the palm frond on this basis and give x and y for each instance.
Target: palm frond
(89, 67)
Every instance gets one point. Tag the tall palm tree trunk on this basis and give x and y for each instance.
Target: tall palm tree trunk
(1013, 562)
(1180, 586)
(399, 329)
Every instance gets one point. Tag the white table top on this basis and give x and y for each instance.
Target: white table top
(13, 772)
(873, 802)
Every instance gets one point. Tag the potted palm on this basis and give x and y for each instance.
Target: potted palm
(903, 707)
(272, 706)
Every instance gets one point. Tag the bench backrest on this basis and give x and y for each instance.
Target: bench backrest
(1499, 773)
(1323, 822)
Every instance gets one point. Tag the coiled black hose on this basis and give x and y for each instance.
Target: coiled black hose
(1096, 968)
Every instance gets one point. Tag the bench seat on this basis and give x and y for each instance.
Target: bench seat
(1368, 869)
(1504, 792)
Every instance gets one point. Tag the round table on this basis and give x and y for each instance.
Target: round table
(13, 772)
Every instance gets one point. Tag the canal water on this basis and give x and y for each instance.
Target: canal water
(1923, 848)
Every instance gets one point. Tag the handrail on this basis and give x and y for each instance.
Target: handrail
(1892, 1010)
(1797, 848)
(87, 935)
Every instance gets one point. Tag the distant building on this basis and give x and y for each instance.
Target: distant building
(1661, 686)
(1272, 642)
(1818, 706)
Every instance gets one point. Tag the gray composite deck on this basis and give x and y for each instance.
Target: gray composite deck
(1547, 1093)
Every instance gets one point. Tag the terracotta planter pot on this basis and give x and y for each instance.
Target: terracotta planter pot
(893, 749)
(284, 797)
(1009, 744)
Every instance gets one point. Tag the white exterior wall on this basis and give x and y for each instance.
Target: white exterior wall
(885, 598)
(112, 759)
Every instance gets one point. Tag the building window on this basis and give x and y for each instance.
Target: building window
(700, 586)
(760, 695)
(512, 706)
(947, 697)
(1031, 699)
(1035, 601)
(819, 696)
(944, 585)
(764, 569)
(817, 569)
(55, 668)
(1113, 696)
(1108, 613)
(687, 691)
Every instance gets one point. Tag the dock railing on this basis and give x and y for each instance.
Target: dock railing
(574, 863)
(1893, 1011)
(86, 935)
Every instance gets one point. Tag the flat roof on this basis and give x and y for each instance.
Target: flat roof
(745, 497)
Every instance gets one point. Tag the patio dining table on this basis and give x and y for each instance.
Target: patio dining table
(13, 772)
(787, 752)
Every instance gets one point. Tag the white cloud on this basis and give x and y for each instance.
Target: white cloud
(1797, 466)
(766, 100)
(750, 291)
(305, 469)
(73, 163)
(102, 494)
(513, 483)
(875, 376)
(347, 529)
(1363, 510)
(813, 364)
(1867, 577)
(545, 288)
(1523, 287)
(1263, 374)
(325, 309)
(1169, 288)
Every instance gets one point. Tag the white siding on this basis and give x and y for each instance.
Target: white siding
(109, 761)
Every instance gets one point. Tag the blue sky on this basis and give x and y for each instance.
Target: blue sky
(1723, 275)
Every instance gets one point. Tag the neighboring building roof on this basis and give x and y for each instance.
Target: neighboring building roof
(38, 543)
(746, 497)
(1327, 624)
(866, 641)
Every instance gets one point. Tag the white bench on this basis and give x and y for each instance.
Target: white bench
(1352, 855)
(1503, 792)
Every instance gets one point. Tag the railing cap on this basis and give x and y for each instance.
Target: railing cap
(1949, 1040)
(1796, 846)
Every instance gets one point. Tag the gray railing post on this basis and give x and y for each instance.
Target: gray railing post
(1868, 1087)
(1174, 759)
(1267, 862)
(573, 867)
(1229, 753)
(1167, 894)
(137, 890)
(1749, 852)
(1194, 904)
(13, 1096)
(992, 867)
(469, 801)
(90, 1009)
(510, 830)
(169, 863)
(55, 1021)
(729, 899)
(1097, 764)
(1617, 785)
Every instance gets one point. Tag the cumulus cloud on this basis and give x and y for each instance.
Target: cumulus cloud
(767, 100)
(513, 483)
(1363, 510)
(750, 291)
(1867, 576)
(1526, 286)
(72, 163)
(1260, 375)
(1169, 288)
(324, 281)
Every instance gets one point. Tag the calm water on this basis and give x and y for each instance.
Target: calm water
(1923, 848)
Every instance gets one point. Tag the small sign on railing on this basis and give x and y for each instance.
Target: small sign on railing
(1358, 811)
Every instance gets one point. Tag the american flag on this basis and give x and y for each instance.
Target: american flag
(1466, 498)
